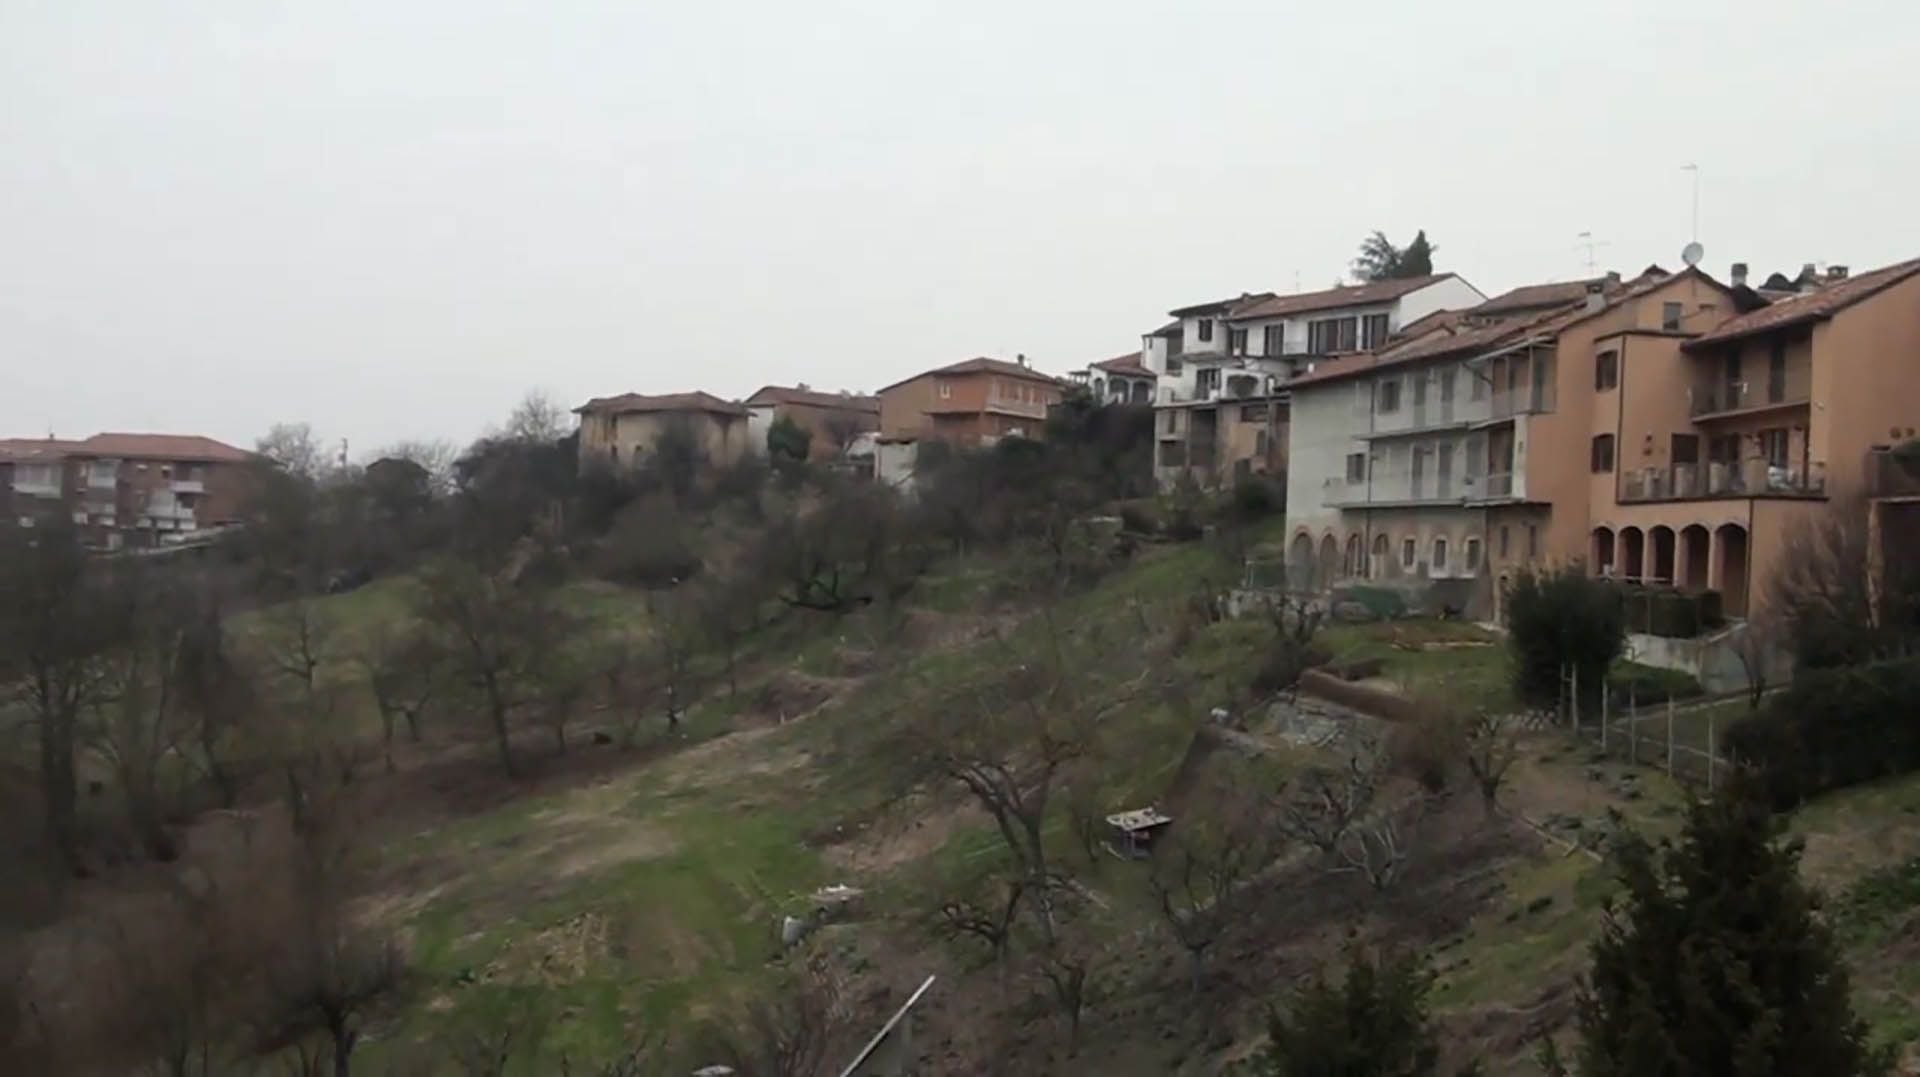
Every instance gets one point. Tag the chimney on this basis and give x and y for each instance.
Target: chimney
(1836, 273)
(1021, 358)
(1739, 274)
(1809, 277)
(1596, 295)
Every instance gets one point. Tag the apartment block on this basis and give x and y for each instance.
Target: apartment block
(973, 402)
(1223, 407)
(126, 490)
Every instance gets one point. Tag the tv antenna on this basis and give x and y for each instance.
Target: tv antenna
(1695, 169)
(1588, 245)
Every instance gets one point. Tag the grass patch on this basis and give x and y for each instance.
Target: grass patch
(1454, 660)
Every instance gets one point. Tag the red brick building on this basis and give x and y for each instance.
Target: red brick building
(123, 490)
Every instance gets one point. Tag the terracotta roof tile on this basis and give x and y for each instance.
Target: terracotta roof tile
(636, 403)
(1346, 295)
(1125, 364)
(164, 447)
(780, 394)
(982, 365)
(1537, 296)
(36, 450)
(1811, 306)
(1227, 307)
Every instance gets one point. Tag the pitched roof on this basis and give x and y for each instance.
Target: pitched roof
(1811, 306)
(164, 447)
(1229, 307)
(35, 450)
(780, 394)
(635, 403)
(981, 365)
(1340, 366)
(1345, 295)
(1538, 296)
(1171, 329)
(1128, 364)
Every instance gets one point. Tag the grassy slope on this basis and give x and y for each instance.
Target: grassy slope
(650, 898)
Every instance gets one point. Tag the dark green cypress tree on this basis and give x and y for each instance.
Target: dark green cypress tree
(1712, 961)
(1371, 1024)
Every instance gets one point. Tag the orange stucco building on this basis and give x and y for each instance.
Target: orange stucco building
(970, 402)
(1709, 447)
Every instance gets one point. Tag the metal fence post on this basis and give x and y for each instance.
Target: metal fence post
(1669, 736)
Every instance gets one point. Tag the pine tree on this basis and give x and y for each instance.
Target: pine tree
(1713, 960)
(1417, 259)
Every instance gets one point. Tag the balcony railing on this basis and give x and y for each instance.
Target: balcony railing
(36, 487)
(1496, 484)
(1722, 398)
(1749, 478)
(189, 486)
(1892, 474)
(1526, 401)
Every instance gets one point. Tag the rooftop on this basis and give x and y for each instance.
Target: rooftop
(982, 365)
(639, 403)
(1128, 364)
(780, 394)
(163, 447)
(1810, 306)
(1345, 295)
(1229, 307)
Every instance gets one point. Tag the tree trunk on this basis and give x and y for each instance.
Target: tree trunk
(59, 786)
(343, 1038)
(503, 738)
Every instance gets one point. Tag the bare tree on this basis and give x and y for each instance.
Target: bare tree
(493, 633)
(141, 719)
(671, 640)
(1492, 746)
(789, 1031)
(986, 911)
(319, 756)
(1835, 608)
(1204, 879)
(297, 450)
(218, 691)
(561, 676)
(1066, 966)
(403, 669)
(1324, 804)
(54, 632)
(1377, 849)
(536, 418)
(727, 608)
(433, 457)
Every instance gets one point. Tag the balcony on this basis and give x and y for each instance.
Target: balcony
(34, 486)
(1396, 490)
(189, 486)
(1713, 401)
(1527, 401)
(1495, 485)
(1749, 478)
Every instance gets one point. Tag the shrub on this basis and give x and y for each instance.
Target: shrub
(1254, 497)
(648, 547)
(1562, 623)
(1138, 519)
(1833, 728)
(1644, 685)
(1374, 1021)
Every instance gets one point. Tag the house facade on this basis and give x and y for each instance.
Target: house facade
(1449, 459)
(1238, 356)
(619, 431)
(833, 421)
(1124, 379)
(1713, 443)
(126, 490)
(973, 402)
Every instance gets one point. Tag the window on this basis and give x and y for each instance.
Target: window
(1473, 555)
(1601, 458)
(1773, 446)
(1506, 546)
(1273, 340)
(1236, 342)
(1207, 382)
(1407, 552)
(1329, 335)
(1446, 386)
(1259, 444)
(946, 390)
(1174, 366)
(1686, 448)
(1172, 425)
(1670, 316)
(1439, 553)
(1478, 386)
(1533, 541)
(1373, 331)
(1205, 329)
(1606, 371)
(1777, 373)
(1356, 467)
(1419, 389)
(1724, 449)
(1390, 395)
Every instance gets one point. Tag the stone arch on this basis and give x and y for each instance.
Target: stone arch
(1382, 556)
(1329, 568)
(1603, 553)
(1731, 554)
(1356, 560)
(1633, 553)
(1696, 550)
(1300, 561)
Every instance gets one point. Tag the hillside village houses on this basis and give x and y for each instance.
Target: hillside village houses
(618, 431)
(834, 422)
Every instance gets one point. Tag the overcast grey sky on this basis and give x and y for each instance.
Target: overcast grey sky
(391, 218)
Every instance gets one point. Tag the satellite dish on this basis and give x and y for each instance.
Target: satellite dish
(1692, 253)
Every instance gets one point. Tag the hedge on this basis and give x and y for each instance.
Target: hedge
(1832, 729)
(1641, 686)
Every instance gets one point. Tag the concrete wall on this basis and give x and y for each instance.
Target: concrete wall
(1449, 294)
(722, 438)
(1320, 433)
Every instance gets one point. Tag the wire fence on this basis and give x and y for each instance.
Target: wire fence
(1681, 738)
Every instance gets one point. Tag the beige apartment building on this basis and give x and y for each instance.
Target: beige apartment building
(972, 402)
(619, 431)
(1708, 449)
